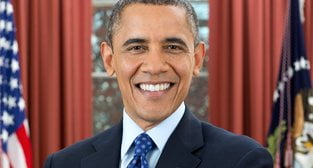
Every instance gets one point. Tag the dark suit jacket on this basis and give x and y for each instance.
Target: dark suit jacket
(193, 144)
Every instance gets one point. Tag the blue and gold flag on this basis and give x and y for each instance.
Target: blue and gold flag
(290, 139)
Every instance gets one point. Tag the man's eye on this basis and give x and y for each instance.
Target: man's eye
(136, 48)
(174, 48)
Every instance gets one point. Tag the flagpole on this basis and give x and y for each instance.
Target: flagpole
(288, 151)
(286, 46)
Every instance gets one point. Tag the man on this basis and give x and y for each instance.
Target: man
(153, 49)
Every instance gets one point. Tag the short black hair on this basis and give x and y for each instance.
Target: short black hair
(121, 4)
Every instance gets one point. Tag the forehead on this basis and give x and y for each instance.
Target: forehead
(149, 12)
(159, 20)
(141, 8)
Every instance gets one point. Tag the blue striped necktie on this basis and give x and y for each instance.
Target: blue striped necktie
(143, 144)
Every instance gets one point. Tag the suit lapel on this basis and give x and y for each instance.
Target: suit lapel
(185, 140)
(107, 150)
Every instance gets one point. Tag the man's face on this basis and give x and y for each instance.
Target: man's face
(154, 59)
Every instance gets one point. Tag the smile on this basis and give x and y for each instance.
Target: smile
(154, 87)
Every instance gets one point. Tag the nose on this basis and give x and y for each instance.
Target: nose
(155, 63)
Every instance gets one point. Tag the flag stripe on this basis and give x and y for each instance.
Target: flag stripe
(26, 127)
(15, 152)
(24, 141)
(4, 161)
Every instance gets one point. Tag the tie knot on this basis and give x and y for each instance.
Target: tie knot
(143, 144)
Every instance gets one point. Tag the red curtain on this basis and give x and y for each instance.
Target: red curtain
(55, 53)
(244, 58)
(308, 30)
(244, 54)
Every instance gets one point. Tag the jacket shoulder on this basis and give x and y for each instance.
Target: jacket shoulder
(232, 150)
(221, 137)
(72, 155)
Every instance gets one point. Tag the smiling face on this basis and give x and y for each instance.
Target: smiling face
(154, 59)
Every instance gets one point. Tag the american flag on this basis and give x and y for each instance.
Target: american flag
(15, 150)
(290, 139)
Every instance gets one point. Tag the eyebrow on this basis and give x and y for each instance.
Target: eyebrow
(134, 40)
(175, 40)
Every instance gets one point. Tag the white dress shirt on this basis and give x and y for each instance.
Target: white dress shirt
(159, 134)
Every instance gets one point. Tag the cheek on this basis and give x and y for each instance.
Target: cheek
(183, 67)
(125, 71)
(126, 67)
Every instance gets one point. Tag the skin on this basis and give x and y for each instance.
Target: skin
(153, 44)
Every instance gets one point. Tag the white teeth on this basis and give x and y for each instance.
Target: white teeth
(154, 88)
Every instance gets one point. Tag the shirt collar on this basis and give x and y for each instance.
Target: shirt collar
(159, 134)
(130, 131)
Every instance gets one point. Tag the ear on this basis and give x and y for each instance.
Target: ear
(107, 58)
(199, 58)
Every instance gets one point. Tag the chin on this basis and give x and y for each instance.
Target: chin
(155, 116)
